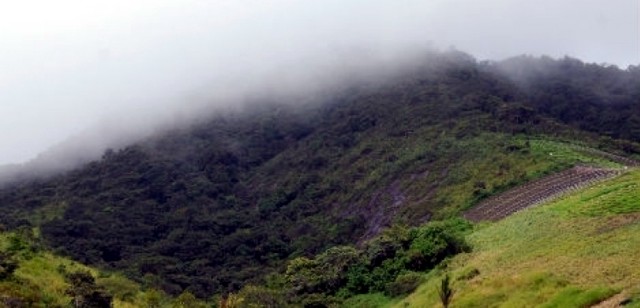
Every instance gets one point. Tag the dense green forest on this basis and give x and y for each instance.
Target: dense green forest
(224, 203)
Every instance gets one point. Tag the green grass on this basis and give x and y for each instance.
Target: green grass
(619, 197)
(567, 153)
(368, 301)
(42, 272)
(498, 168)
(573, 252)
(40, 278)
(573, 297)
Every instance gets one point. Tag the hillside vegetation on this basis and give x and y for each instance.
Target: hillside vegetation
(225, 202)
(573, 252)
(33, 277)
(382, 270)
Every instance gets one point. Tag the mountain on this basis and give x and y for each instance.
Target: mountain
(225, 202)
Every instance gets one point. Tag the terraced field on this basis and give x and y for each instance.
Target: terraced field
(538, 191)
(576, 251)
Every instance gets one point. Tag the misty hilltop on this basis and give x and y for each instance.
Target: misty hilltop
(113, 72)
(229, 198)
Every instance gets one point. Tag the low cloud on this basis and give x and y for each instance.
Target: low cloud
(103, 75)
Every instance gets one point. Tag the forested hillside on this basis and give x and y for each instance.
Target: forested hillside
(218, 204)
(599, 98)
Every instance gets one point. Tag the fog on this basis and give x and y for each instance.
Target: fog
(79, 76)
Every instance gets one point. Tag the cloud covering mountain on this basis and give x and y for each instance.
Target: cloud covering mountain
(114, 71)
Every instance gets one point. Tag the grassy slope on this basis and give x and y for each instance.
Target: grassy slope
(572, 252)
(541, 157)
(40, 276)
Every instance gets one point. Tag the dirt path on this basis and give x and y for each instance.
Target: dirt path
(614, 301)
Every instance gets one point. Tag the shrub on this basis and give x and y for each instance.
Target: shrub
(468, 273)
(8, 265)
(404, 284)
(153, 298)
(326, 273)
(20, 294)
(187, 300)
(435, 241)
(85, 292)
(386, 246)
(359, 279)
(386, 272)
(121, 288)
(256, 296)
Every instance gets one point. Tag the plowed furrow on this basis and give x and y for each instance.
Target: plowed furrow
(538, 191)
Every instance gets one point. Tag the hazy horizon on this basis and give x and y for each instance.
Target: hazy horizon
(119, 68)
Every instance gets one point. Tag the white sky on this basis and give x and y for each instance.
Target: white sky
(66, 65)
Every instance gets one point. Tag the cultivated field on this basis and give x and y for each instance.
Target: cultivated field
(538, 191)
(576, 251)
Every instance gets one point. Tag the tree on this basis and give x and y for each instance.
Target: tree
(326, 273)
(231, 300)
(445, 292)
(257, 296)
(186, 300)
(436, 241)
(153, 299)
(8, 265)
